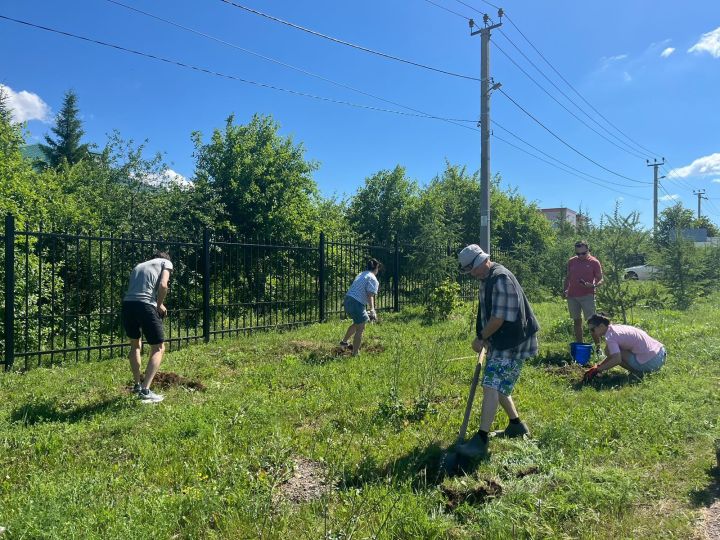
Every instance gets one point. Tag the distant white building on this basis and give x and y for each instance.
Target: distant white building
(558, 215)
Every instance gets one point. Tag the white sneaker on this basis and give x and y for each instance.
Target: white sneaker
(148, 396)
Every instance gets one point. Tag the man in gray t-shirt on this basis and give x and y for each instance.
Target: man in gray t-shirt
(143, 309)
(145, 280)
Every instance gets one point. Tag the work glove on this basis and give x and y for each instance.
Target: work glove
(373, 315)
(590, 374)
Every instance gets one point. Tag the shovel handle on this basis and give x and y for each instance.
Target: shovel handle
(471, 397)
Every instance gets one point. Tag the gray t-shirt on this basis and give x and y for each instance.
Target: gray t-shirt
(144, 281)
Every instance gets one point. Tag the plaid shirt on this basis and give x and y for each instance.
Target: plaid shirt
(506, 305)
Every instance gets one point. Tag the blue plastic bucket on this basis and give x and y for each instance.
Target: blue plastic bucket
(581, 352)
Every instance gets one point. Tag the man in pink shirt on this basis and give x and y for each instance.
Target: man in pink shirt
(584, 275)
(625, 346)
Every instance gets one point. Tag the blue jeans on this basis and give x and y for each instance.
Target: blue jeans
(654, 364)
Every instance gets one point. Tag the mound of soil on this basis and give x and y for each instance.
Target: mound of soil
(322, 353)
(300, 346)
(168, 379)
(307, 483)
(569, 371)
(478, 494)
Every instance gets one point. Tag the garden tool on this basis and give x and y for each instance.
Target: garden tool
(452, 462)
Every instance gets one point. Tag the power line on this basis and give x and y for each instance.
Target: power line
(278, 62)
(670, 197)
(626, 147)
(614, 190)
(633, 153)
(347, 43)
(583, 173)
(563, 141)
(682, 182)
(507, 17)
(474, 8)
(448, 9)
(227, 76)
(713, 206)
(211, 72)
(576, 91)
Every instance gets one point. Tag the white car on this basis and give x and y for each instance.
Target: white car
(642, 272)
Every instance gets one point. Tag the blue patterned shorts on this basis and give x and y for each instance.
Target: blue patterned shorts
(502, 374)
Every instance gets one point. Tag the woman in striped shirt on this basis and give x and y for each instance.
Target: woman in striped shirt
(361, 294)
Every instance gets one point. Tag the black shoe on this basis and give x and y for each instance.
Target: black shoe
(516, 430)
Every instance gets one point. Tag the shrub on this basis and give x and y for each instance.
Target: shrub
(443, 300)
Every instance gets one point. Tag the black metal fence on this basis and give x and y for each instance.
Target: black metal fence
(63, 291)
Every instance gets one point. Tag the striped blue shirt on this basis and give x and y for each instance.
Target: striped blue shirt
(365, 284)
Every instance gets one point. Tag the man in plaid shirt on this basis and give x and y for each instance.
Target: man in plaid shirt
(507, 327)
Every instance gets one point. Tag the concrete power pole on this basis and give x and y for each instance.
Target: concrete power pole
(700, 195)
(485, 90)
(655, 164)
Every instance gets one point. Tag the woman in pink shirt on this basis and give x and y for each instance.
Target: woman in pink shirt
(625, 346)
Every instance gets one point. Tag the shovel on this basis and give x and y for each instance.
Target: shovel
(452, 462)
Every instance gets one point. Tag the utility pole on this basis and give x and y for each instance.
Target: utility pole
(485, 90)
(700, 195)
(655, 164)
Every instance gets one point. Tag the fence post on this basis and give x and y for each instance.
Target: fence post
(321, 274)
(206, 285)
(9, 291)
(396, 279)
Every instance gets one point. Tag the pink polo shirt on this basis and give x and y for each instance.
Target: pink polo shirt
(579, 268)
(629, 338)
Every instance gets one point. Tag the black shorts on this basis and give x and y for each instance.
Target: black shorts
(138, 316)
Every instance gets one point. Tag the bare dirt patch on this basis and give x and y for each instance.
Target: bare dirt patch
(168, 379)
(301, 346)
(307, 483)
(569, 371)
(321, 353)
(478, 494)
(710, 528)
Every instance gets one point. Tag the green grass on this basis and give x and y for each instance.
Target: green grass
(80, 458)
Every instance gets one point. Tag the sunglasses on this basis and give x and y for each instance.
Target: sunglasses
(581, 253)
(468, 267)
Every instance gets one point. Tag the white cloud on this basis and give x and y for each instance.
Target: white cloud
(166, 178)
(608, 61)
(667, 52)
(709, 43)
(673, 197)
(173, 177)
(716, 180)
(704, 166)
(626, 76)
(26, 105)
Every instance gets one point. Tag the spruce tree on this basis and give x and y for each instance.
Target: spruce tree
(68, 130)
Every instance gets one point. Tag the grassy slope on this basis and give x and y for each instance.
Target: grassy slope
(80, 458)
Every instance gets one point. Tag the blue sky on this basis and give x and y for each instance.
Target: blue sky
(651, 67)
